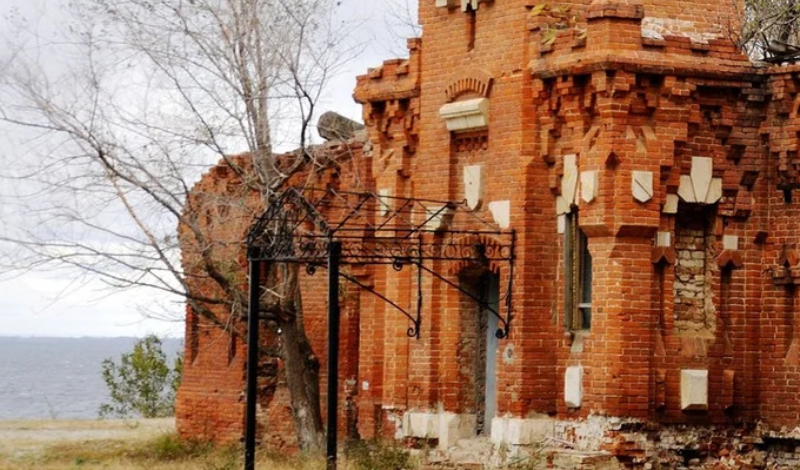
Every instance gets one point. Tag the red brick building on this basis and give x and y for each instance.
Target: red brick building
(647, 170)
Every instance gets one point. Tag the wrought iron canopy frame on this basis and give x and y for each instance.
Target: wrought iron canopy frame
(377, 229)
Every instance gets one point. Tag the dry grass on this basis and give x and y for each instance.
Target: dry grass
(145, 445)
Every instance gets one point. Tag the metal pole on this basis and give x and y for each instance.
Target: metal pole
(252, 367)
(334, 256)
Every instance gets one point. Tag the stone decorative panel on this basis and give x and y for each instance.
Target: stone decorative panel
(671, 204)
(473, 185)
(467, 115)
(573, 386)
(590, 183)
(569, 181)
(730, 242)
(663, 239)
(642, 185)
(562, 206)
(384, 197)
(700, 187)
(440, 218)
(501, 212)
(694, 390)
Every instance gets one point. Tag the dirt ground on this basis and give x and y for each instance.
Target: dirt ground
(20, 438)
(151, 445)
(55, 445)
(125, 445)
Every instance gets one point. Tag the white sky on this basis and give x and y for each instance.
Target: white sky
(46, 304)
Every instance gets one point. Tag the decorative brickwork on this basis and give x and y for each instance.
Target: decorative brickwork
(681, 158)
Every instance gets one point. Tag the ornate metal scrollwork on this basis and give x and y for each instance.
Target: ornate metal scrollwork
(376, 229)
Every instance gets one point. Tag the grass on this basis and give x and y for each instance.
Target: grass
(153, 445)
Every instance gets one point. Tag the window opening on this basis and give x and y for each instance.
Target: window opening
(194, 335)
(578, 276)
(472, 19)
(695, 270)
(231, 345)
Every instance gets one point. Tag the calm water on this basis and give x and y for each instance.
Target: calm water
(58, 378)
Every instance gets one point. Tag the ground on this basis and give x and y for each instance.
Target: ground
(143, 445)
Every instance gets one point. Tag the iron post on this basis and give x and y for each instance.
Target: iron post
(334, 257)
(252, 367)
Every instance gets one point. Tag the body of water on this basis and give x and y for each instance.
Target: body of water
(59, 378)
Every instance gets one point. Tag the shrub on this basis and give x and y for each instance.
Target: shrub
(142, 383)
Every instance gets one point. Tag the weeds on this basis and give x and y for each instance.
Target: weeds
(171, 447)
(138, 449)
(378, 455)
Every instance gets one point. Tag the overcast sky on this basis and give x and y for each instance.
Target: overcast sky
(48, 304)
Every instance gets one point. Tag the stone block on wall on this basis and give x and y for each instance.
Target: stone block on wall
(385, 201)
(664, 239)
(421, 424)
(454, 427)
(501, 212)
(700, 186)
(702, 168)
(589, 185)
(642, 185)
(467, 115)
(671, 204)
(439, 218)
(730, 242)
(445, 426)
(569, 181)
(573, 386)
(473, 185)
(694, 390)
(521, 432)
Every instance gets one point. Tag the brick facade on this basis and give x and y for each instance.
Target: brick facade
(679, 160)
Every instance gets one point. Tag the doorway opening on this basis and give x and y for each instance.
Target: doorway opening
(478, 346)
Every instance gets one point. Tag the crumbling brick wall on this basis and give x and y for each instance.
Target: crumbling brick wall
(677, 157)
(221, 210)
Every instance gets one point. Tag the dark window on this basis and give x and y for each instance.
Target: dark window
(578, 276)
(194, 335)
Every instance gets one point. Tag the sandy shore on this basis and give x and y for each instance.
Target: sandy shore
(25, 437)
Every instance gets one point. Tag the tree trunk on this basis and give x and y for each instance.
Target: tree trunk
(302, 368)
(302, 378)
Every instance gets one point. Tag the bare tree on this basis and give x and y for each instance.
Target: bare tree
(124, 108)
(402, 22)
(769, 29)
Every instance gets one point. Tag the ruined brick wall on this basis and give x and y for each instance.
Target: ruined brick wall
(210, 402)
(679, 161)
(777, 234)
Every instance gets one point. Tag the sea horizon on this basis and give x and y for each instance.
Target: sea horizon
(60, 378)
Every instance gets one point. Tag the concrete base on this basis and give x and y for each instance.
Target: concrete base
(521, 432)
(445, 426)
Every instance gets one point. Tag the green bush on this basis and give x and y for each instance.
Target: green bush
(142, 383)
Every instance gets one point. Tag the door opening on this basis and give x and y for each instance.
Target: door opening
(479, 344)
